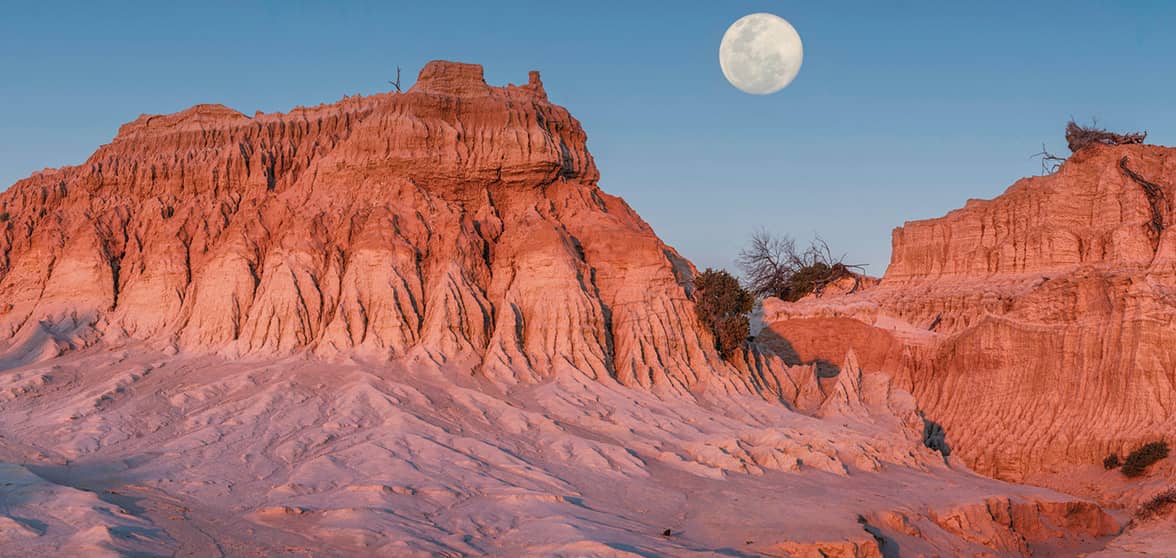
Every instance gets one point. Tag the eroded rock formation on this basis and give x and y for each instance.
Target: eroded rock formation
(412, 324)
(456, 220)
(1036, 327)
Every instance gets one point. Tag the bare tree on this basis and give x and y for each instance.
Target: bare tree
(396, 83)
(774, 266)
(767, 263)
(1050, 163)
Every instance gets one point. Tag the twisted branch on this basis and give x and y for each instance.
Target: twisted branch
(1155, 195)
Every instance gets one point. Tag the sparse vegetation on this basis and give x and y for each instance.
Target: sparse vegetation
(3, 216)
(1155, 198)
(1079, 137)
(722, 305)
(774, 266)
(730, 333)
(1112, 462)
(1050, 163)
(396, 83)
(1158, 505)
(1139, 460)
(935, 437)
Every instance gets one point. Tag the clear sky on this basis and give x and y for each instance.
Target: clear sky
(902, 110)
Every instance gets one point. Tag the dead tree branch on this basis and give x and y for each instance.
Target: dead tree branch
(1079, 137)
(935, 322)
(396, 83)
(1155, 196)
(1050, 163)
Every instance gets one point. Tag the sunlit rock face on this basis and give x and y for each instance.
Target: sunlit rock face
(1037, 327)
(456, 220)
(412, 324)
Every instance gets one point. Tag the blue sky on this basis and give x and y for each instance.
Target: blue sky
(902, 110)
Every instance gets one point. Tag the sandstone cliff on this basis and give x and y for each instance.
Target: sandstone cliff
(1037, 327)
(412, 324)
(454, 221)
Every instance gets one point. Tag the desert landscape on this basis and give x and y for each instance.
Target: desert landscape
(413, 324)
(416, 323)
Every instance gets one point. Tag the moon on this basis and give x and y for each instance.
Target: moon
(761, 53)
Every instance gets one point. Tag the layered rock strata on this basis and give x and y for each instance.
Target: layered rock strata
(454, 221)
(1037, 327)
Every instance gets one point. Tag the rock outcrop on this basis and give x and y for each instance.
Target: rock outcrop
(1036, 327)
(411, 324)
(454, 221)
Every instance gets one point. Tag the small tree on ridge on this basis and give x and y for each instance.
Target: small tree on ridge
(774, 266)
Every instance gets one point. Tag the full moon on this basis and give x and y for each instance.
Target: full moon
(761, 53)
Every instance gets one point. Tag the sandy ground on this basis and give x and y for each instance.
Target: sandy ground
(133, 452)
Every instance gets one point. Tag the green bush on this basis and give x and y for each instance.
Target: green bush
(1111, 461)
(811, 278)
(1139, 460)
(722, 306)
(730, 332)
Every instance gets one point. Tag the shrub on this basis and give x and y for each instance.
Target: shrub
(1139, 460)
(774, 266)
(730, 332)
(722, 306)
(4, 216)
(1079, 137)
(1111, 461)
(1158, 505)
(935, 437)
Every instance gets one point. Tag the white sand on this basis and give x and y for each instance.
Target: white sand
(210, 457)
